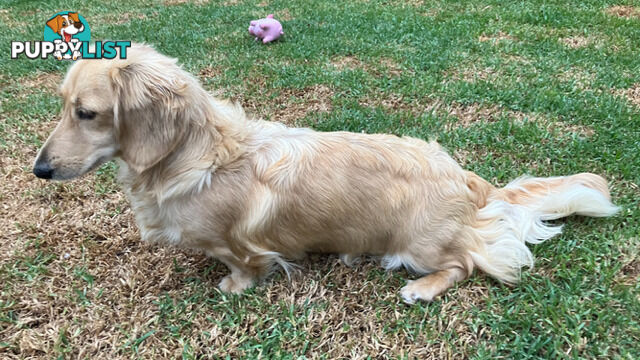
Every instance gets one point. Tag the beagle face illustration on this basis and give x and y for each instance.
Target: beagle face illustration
(66, 25)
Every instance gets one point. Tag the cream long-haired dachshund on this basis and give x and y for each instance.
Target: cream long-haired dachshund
(255, 194)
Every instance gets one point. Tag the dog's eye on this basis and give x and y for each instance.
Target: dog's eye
(85, 114)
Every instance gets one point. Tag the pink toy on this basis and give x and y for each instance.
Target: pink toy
(267, 29)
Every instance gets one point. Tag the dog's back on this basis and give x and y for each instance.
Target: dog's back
(350, 193)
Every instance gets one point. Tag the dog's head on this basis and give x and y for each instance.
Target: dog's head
(130, 108)
(66, 25)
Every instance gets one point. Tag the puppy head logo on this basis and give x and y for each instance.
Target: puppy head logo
(67, 37)
(67, 26)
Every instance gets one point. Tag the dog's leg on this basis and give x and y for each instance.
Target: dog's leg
(428, 287)
(236, 282)
(350, 259)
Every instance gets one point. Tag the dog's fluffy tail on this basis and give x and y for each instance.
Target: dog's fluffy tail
(510, 217)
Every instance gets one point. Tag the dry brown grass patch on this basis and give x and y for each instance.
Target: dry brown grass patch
(391, 67)
(576, 42)
(629, 258)
(181, 2)
(632, 94)
(631, 272)
(15, 20)
(209, 72)
(314, 99)
(122, 18)
(462, 156)
(471, 73)
(129, 17)
(41, 81)
(468, 115)
(497, 37)
(519, 59)
(348, 62)
(392, 102)
(283, 15)
(568, 128)
(400, 3)
(624, 11)
(431, 12)
(291, 105)
(579, 77)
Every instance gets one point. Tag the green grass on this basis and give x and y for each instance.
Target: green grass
(555, 110)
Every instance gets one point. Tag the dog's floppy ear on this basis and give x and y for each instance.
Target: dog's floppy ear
(55, 23)
(148, 119)
(74, 16)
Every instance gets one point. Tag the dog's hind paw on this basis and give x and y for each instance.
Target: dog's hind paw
(428, 287)
(350, 259)
(414, 291)
(235, 283)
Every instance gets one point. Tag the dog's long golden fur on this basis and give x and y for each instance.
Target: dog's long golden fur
(255, 194)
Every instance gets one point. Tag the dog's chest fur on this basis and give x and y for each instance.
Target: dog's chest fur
(156, 223)
(167, 219)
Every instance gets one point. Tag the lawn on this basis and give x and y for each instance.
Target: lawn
(538, 87)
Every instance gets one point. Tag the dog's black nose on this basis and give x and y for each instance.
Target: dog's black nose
(77, 25)
(43, 170)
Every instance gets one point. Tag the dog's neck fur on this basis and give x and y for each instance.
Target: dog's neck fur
(214, 139)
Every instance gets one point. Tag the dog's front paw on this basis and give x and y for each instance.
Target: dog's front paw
(415, 291)
(235, 284)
